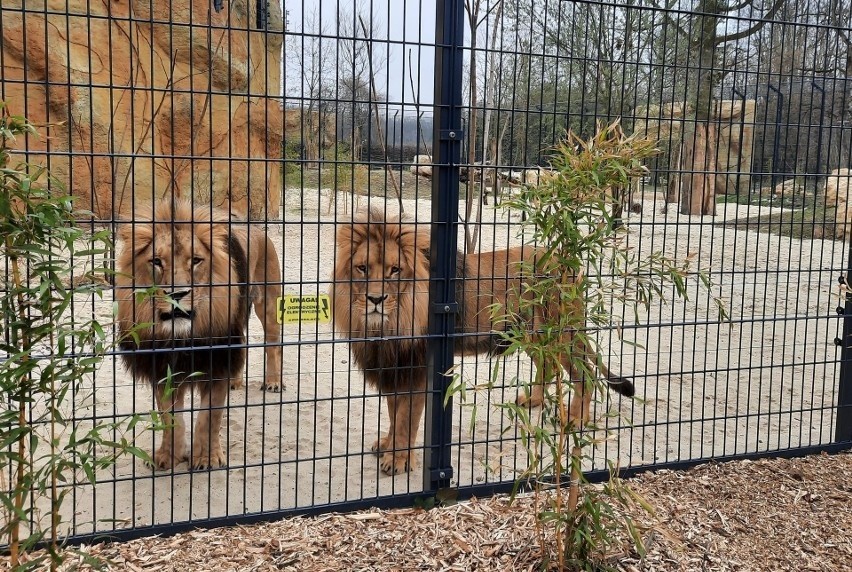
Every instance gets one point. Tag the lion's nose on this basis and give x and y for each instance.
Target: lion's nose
(178, 295)
(377, 299)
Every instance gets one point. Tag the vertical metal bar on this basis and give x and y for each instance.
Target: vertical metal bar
(843, 430)
(776, 174)
(447, 137)
(262, 15)
(821, 89)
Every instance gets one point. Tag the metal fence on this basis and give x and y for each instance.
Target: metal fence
(302, 115)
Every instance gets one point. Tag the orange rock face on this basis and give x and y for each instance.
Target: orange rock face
(149, 97)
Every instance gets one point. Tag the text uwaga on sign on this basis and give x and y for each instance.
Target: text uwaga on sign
(293, 308)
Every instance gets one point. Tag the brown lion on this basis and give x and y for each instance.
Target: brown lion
(186, 280)
(381, 292)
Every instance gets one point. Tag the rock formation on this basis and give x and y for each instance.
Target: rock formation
(837, 195)
(150, 97)
(734, 141)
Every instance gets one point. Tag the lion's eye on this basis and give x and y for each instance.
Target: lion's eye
(157, 261)
(196, 260)
(394, 270)
(361, 268)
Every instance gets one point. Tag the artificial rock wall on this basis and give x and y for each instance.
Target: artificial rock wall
(149, 98)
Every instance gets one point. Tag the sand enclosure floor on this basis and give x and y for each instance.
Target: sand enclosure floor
(766, 380)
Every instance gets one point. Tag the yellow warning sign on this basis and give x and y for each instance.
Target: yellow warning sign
(293, 308)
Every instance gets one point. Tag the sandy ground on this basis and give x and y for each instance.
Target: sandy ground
(765, 381)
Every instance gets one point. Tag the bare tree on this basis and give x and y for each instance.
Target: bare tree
(307, 63)
(696, 157)
(357, 61)
(374, 98)
(477, 13)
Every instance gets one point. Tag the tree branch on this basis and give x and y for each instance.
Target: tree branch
(752, 29)
(488, 12)
(738, 7)
(664, 9)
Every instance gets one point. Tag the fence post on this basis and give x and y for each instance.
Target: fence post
(446, 155)
(843, 429)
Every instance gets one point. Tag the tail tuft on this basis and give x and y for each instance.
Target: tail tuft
(621, 385)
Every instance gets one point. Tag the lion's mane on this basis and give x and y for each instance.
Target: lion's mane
(220, 300)
(394, 356)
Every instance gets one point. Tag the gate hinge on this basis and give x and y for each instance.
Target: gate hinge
(451, 134)
(441, 474)
(445, 308)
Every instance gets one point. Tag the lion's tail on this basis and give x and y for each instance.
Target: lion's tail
(617, 383)
(622, 385)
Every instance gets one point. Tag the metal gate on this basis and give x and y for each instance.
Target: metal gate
(150, 99)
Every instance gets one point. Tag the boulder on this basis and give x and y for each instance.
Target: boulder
(838, 186)
(421, 165)
(147, 98)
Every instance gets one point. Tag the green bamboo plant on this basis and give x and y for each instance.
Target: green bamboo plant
(48, 356)
(587, 263)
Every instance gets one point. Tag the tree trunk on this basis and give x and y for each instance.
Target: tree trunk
(673, 183)
(698, 186)
(471, 230)
(698, 154)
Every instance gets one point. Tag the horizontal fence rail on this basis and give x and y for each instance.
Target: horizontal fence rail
(227, 147)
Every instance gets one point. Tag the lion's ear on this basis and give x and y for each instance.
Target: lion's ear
(352, 233)
(134, 225)
(423, 239)
(346, 236)
(133, 235)
(123, 231)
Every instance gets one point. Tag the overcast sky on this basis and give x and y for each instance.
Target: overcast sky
(402, 26)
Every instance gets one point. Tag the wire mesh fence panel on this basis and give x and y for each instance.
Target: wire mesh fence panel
(309, 207)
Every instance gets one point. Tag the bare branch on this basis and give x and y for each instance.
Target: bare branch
(374, 96)
(738, 7)
(664, 9)
(752, 29)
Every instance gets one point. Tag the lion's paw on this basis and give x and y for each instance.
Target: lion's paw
(236, 383)
(166, 459)
(271, 384)
(214, 460)
(530, 401)
(396, 463)
(381, 445)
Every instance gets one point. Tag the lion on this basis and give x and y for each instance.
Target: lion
(186, 280)
(380, 293)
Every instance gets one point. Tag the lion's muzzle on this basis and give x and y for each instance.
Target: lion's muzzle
(177, 319)
(376, 303)
(177, 313)
(375, 310)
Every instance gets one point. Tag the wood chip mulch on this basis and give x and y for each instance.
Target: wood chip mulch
(772, 514)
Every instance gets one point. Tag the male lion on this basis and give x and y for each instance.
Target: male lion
(381, 292)
(186, 279)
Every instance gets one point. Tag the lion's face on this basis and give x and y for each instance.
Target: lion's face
(178, 274)
(381, 277)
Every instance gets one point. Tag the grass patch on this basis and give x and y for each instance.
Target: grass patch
(767, 199)
(812, 222)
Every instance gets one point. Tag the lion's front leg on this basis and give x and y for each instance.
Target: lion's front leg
(266, 308)
(206, 447)
(172, 448)
(580, 406)
(405, 423)
(579, 410)
(536, 394)
(383, 444)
